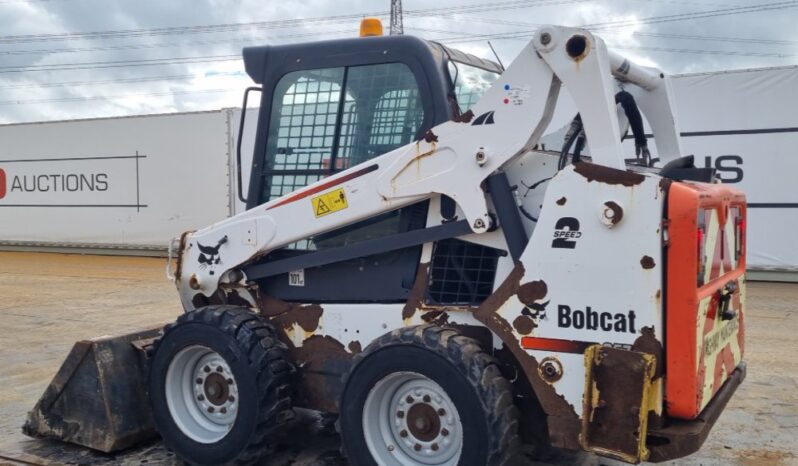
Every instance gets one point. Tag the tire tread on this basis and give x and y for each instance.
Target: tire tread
(478, 367)
(266, 356)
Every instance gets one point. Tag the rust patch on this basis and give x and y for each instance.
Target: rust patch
(416, 297)
(530, 292)
(562, 201)
(617, 212)
(647, 343)
(288, 314)
(179, 266)
(602, 174)
(321, 362)
(355, 347)
(647, 262)
(524, 324)
(430, 137)
(464, 118)
(306, 317)
(614, 421)
(562, 422)
(665, 184)
(437, 317)
(317, 349)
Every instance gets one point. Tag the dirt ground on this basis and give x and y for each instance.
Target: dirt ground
(50, 301)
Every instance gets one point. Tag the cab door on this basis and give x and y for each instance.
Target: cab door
(323, 121)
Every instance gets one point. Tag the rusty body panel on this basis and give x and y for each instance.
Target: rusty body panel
(562, 421)
(617, 389)
(98, 398)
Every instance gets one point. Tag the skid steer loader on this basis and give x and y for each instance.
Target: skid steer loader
(414, 261)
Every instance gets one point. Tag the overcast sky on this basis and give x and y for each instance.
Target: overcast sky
(64, 59)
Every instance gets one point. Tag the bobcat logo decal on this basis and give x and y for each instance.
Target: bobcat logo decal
(209, 255)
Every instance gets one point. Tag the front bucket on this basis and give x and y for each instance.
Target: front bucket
(98, 398)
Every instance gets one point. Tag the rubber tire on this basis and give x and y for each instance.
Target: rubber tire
(470, 376)
(256, 357)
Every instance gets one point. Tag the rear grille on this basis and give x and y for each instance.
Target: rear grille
(462, 273)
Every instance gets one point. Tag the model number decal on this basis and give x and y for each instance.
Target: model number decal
(296, 277)
(566, 232)
(330, 202)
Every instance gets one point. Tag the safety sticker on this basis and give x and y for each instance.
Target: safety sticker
(330, 202)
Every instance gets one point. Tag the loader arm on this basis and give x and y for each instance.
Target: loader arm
(452, 159)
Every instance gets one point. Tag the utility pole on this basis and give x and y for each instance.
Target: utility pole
(396, 18)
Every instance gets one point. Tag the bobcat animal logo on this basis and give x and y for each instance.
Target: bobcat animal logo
(209, 255)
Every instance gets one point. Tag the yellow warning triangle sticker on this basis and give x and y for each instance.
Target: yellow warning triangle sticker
(322, 208)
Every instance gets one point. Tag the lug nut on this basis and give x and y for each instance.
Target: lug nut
(409, 399)
(441, 412)
(201, 398)
(219, 369)
(417, 447)
(199, 381)
(435, 447)
(206, 369)
(223, 410)
(427, 399)
(229, 381)
(403, 433)
(210, 409)
(400, 414)
(231, 398)
(444, 432)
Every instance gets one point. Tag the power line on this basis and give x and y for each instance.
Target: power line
(708, 52)
(173, 78)
(121, 96)
(744, 40)
(234, 40)
(611, 25)
(752, 40)
(119, 64)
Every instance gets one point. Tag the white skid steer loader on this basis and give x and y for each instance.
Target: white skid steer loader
(415, 262)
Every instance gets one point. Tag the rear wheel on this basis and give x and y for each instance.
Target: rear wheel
(219, 386)
(427, 396)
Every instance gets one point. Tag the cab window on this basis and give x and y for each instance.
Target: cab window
(470, 83)
(323, 121)
(326, 120)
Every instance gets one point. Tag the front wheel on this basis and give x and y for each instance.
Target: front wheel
(219, 386)
(427, 396)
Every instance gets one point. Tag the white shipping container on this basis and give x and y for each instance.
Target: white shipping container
(130, 183)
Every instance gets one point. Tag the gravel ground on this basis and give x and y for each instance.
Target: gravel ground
(52, 300)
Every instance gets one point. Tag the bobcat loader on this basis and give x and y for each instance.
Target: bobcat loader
(414, 261)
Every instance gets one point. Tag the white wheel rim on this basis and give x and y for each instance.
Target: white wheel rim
(202, 394)
(409, 419)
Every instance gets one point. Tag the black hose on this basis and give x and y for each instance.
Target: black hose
(629, 106)
(573, 133)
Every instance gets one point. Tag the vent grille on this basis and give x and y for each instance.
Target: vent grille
(462, 273)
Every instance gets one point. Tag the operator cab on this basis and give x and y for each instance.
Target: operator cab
(333, 104)
(330, 105)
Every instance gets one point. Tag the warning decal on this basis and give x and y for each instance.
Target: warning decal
(330, 202)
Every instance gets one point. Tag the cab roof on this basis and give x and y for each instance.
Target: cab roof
(256, 59)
